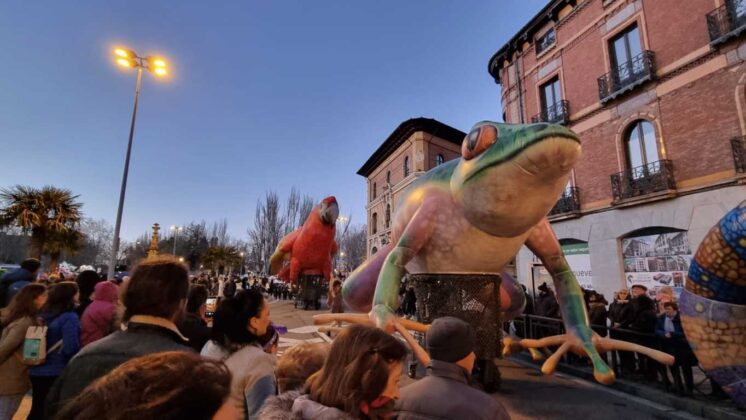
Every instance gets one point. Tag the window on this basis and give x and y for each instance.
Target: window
(373, 251)
(545, 41)
(388, 216)
(388, 177)
(551, 95)
(374, 223)
(406, 166)
(642, 146)
(374, 193)
(624, 48)
(439, 160)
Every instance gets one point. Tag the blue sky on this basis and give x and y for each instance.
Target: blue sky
(263, 96)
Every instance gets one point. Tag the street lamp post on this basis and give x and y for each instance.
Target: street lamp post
(128, 58)
(176, 230)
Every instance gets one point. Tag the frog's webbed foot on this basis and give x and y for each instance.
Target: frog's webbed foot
(571, 343)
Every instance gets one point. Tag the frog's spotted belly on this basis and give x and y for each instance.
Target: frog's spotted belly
(458, 247)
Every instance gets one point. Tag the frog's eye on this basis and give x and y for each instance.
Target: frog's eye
(479, 140)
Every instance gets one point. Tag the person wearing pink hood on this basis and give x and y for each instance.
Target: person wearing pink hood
(99, 318)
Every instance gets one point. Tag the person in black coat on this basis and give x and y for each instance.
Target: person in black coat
(597, 312)
(546, 303)
(643, 321)
(673, 341)
(620, 315)
(193, 325)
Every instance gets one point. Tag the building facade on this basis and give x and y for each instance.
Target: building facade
(415, 147)
(657, 92)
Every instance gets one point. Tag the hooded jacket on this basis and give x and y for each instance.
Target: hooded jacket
(98, 318)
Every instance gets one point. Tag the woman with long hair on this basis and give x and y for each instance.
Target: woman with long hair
(63, 326)
(15, 319)
(359, 380)
(238, 324)
(168, 385)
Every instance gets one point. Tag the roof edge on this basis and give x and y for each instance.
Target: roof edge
(403, 132)
(547, 13)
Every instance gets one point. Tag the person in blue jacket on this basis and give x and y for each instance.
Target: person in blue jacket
(12, 282)
(673, 341)
(62, 324)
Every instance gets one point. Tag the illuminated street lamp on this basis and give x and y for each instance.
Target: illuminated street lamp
(157, 66)
(176, 229)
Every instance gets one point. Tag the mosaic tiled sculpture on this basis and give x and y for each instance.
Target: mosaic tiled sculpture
(472, 215)
(713, 306)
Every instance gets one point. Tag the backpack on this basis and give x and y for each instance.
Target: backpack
(35, 346)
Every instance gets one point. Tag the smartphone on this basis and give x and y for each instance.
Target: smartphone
(211, 306)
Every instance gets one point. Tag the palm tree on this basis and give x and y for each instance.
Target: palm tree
(42, 212)
(220, 257)
(68, 242)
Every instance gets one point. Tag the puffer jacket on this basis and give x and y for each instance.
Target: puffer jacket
(98, 318)
(304, 408)
(279, 407)
(65, 327)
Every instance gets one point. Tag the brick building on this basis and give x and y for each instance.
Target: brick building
(415, 147)
(656, 89)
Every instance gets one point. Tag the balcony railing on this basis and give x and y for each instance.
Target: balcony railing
(627, 76)
(727, 21)
(643, 180)
(569, 203)
(558, 113)
(738, 145)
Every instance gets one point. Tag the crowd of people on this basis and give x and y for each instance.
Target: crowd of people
(636, 317)
(145, 349)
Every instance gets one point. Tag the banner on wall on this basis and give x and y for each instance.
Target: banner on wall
(579, 258)
(657, 260)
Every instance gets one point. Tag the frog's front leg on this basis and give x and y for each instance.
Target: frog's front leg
(543, 242)
(410, 242)
(579, 338)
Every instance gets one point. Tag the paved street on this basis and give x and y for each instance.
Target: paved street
(525, 392)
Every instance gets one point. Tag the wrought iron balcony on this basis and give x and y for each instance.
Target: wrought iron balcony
(569, 203)
(558, 113)
(626, 77)
(738, 145)
(727, 21)
(643, 180)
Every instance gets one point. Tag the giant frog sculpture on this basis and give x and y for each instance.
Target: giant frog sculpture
(472, 215)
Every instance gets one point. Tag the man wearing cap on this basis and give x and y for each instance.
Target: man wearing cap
(445, 392)
(643, 321)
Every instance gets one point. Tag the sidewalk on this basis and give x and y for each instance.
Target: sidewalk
(697, 405)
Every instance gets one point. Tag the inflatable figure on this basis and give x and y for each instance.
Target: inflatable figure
(309, 249)
(713, 306)
(472, 215)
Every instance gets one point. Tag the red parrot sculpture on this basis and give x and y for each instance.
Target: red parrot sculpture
(310, 247)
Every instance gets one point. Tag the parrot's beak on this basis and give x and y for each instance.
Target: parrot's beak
(330, 213)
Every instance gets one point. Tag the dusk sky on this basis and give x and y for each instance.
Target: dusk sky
(264, 95)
